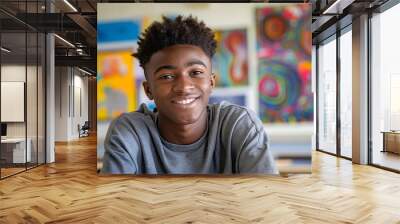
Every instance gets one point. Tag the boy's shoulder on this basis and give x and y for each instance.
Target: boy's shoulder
(227, 107)
(142, 115)
(233, 112)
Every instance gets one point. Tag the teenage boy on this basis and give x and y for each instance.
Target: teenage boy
(184, 135)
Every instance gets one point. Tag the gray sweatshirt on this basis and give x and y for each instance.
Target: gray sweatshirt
(234, 143)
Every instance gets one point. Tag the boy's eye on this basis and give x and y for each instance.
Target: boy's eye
(166, 76)
(197, 72)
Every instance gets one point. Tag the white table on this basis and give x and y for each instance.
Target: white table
(18, 145)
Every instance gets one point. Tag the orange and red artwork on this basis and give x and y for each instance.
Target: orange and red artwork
(230, 62)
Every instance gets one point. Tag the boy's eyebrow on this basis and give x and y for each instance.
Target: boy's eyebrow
(164, 67)
(188, 64)
(195, 62)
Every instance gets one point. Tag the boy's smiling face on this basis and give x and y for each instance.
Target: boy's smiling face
(179, 80)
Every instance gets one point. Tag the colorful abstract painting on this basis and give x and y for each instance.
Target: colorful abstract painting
(230, 62)
(116, 88)
(284, 63)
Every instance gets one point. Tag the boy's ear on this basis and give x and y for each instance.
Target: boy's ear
(212, 80)
(147, 90)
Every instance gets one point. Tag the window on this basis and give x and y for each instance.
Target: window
(327, 95)
(385, 88)
(346, 92)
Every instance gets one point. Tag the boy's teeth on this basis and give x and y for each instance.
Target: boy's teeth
(187, 101)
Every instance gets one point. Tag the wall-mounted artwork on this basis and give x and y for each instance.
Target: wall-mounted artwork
(238, 96)
(116, 87)
(284, 63)
(118, 31)
(283, 93)
(230, 62)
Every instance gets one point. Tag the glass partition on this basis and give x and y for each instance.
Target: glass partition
(22, 77)
(14, 152)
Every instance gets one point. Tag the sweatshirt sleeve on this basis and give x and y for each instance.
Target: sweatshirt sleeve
(254, 155)
(121, 148)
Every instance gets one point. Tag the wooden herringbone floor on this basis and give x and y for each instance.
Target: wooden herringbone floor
(70, 191)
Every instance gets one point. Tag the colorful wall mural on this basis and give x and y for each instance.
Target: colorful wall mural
(284, 63)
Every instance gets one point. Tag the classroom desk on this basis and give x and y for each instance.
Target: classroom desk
(13, 150)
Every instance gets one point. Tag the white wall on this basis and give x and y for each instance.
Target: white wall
(70, 83)
(61, 103)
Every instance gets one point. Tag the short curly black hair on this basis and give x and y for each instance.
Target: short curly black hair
(170, 32)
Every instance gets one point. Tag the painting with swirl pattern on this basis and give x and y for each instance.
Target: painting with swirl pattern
(284, 63)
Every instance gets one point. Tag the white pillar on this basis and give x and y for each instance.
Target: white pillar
(50, 93)
(360, 90)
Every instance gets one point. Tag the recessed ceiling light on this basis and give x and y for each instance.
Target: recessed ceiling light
(84, 71)
(70, 5)
(5, 49)
(64, 40)
(337, 7)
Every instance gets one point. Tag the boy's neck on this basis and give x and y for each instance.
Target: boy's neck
(183, 134)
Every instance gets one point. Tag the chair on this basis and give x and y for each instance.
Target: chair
(84, 130)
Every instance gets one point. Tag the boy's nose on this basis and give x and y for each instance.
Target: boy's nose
(183, 84)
